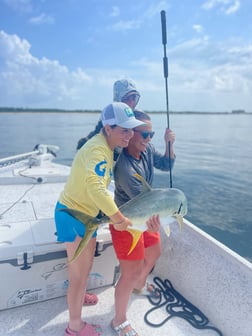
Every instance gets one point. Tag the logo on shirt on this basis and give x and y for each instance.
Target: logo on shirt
(100, 168)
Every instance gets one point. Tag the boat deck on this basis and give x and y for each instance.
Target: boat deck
(50, 318)
(209, 275)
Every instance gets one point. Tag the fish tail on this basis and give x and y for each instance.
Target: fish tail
(146, 186)
(167, 229)
(179, 219)
(83, 243)
(136, 234)
(90, 224)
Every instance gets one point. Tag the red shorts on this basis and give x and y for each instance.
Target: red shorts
(122, 241)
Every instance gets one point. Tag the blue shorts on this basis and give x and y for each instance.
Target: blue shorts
(67, 226)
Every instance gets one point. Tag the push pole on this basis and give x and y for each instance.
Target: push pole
(165, 66)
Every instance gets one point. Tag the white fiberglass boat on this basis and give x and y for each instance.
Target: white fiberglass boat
(206, 288)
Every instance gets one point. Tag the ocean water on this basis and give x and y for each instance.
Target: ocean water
(213, 162)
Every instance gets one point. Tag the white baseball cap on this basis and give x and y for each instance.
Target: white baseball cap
(119, 114)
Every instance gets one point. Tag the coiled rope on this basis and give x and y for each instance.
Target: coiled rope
(176, 306)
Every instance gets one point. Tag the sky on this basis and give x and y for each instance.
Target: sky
(66, 54)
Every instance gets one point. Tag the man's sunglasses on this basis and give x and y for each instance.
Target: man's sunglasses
(145, 135)
(135, 97)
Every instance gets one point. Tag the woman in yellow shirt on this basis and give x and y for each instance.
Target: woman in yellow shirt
(86, 190)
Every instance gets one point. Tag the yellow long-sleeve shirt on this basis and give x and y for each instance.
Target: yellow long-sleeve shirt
(91, 172)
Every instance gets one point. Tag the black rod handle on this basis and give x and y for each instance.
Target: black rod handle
(163, 22)
(165, 66)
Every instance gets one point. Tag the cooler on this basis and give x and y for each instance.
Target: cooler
(34, 266)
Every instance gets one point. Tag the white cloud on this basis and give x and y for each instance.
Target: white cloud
(225, 6)
(25, 78)
(207, 75)
(211, 75)
(204, 73)
(155, 8)
(126, 25)
(28, 7)
(233, 8)
(136, 23)
(42, 19)
(198, 28)
(13, 49)
(21, 6)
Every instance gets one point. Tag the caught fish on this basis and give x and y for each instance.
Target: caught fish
(163, 201)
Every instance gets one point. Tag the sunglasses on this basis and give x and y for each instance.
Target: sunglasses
(135, 97)
(145, 135)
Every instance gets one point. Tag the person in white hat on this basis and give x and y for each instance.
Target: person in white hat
(125, 91)
(92, 165)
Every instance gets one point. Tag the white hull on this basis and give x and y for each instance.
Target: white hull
(205, 272)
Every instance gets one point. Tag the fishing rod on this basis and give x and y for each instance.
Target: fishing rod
(165, 66)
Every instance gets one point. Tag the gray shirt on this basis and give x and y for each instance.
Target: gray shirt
(127, 185)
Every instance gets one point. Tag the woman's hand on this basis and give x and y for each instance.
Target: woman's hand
(122, 225)
(169, 136)
(153, 223)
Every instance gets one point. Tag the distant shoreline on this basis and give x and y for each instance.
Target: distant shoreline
(41, 110)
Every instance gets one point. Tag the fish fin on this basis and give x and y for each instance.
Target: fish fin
(83, 243)
(146, 186)
(167, 230)
(136, 234)
(90, 223)
(179, 219)
(166, 226)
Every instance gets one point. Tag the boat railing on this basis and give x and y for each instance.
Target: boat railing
(16, 158)
(38, 150)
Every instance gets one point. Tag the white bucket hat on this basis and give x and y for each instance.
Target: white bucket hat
(123, 88)
(119, 114)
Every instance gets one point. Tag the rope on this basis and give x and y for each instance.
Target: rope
(22, 196)
(176, 306)
(17, 201)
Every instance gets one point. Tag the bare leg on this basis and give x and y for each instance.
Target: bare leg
(126, 283)
(78, 273)
(152, 254)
